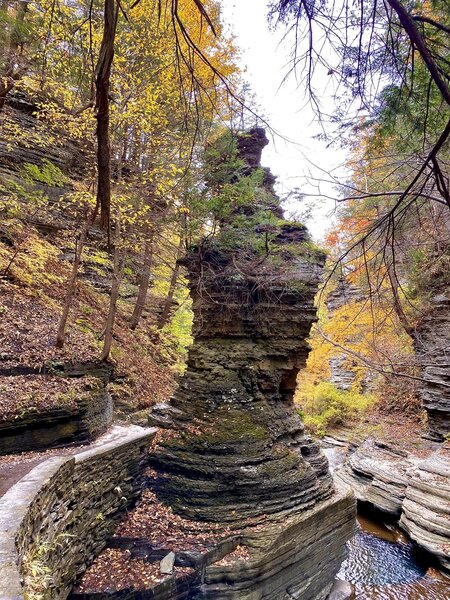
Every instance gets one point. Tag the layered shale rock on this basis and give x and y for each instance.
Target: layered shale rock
(342, 372)
(241, 451)
(21, 114)
(296, 559)
(378, 476)
(238, 454)
(426, 508)
(340, 376)
(344, 293)
(58, 517)
(406, 488)
(432, 341)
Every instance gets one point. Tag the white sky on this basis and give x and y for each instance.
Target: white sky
(286, 109)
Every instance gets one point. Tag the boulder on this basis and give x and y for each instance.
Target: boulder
(167, 563)
(342, 590)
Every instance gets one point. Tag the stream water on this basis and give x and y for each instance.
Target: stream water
(383, 564)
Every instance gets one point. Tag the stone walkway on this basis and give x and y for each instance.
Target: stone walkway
(15, 466)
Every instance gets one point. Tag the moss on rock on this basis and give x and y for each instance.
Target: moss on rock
(237, 451)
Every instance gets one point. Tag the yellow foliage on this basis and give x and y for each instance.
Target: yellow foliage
(33, 260)
(323, 405)
(358, 334)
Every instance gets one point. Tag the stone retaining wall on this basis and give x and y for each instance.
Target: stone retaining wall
(57, 518)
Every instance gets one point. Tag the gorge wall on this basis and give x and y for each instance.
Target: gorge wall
(405, 488)
(342, 375)
(432, 342)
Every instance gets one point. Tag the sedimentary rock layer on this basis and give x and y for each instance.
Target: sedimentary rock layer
(296, 558)
(342, 373)
(58, 426)
(240, 450)
(432, 342)
(407, 488)
(378, 476)
(426, 508)
(21, 113)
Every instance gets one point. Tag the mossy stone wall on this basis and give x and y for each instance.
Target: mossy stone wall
(56, 519)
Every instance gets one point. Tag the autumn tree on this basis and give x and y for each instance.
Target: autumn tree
(160, 103)
(391, 61)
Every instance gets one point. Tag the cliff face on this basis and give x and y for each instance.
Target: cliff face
(20, 123)
(379, 476)
(432, 347)
(426, 511)
(242, 452)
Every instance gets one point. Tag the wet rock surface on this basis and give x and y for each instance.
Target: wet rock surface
(383, 564)
(341, 590)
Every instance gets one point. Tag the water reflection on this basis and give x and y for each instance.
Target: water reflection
(383, 565)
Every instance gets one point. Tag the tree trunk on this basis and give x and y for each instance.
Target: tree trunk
(71, 284)
(144, 283)
(102, 87)
(123, 154)
(165, 315)
(116, 281)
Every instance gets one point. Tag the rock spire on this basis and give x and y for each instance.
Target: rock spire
(240, 451)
